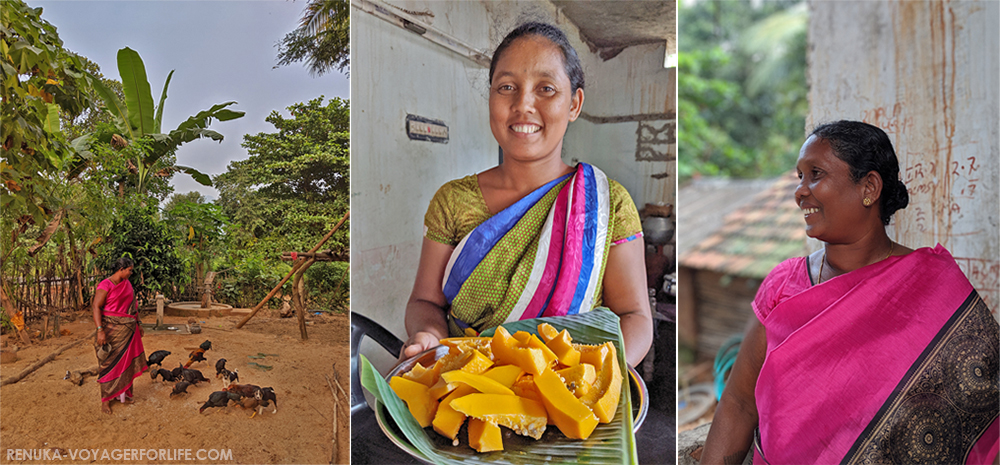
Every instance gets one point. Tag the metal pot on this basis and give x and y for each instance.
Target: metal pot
(657, 230)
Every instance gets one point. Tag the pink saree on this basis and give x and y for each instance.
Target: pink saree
(896, 362)
(128, 357)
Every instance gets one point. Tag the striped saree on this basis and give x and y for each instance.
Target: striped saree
(127, 359)
(542, 256)
(896, 362)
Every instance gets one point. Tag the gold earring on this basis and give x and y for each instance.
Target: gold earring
(867, 202)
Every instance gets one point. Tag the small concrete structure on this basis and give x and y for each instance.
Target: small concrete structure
(196, 310)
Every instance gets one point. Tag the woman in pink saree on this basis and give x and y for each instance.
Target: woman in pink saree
(865, 351)
(119, 336)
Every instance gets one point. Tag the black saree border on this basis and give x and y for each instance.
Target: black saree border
(878, 429)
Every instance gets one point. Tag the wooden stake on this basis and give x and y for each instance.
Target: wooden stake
(295, 267)
(299, 300)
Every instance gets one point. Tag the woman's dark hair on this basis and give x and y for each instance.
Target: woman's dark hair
(570, 59)
(121, 264)
(866, 148)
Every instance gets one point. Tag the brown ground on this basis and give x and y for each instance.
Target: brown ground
(43, 411)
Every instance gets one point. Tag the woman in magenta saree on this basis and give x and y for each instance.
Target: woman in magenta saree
(865, 351)
(119, 336)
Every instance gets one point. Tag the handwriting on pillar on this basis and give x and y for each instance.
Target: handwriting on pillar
(890, 119)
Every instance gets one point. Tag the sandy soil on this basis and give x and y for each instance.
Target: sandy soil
(45, 412)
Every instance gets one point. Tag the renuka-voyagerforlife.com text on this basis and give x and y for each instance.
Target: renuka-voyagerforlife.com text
(120, 455)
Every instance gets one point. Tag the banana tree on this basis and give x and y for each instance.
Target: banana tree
(138, 117)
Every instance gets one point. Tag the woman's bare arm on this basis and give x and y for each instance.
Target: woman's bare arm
(426, 321)
(731, 435)
(100, 297)
(625, 294)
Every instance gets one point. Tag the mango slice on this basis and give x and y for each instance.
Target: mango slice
(484, 436)
(525, 416)
(603, 399)
(417, 399)
(447, 421)
(570, 415)
(478, 382)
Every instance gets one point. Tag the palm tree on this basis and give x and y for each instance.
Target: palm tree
(322, 38)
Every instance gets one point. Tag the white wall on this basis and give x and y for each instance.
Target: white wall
(928, 73)
(395, 72)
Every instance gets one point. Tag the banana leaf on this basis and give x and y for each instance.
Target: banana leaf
(610, 443)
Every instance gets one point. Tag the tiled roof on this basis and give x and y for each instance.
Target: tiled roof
(755, 237)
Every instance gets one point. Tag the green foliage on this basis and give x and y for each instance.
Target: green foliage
(150, 243)
(294, 185)
(201, 227)
(137, 117)
(40, 79)
(95, 113)
(742, 89)
(322, 39)
(251, 277)
(329, 285)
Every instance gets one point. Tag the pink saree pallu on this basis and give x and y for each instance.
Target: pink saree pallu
(542, 256)
(127, 359)
(896, 362)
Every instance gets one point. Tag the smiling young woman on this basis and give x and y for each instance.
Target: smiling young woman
(852, 356)
(533, 236)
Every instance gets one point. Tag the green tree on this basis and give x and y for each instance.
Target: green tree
(322, 39)
(294, 185)
(40, 80)
(202, 230)
(138, 117)
(286, 195)
(137, 234)
(742, 89)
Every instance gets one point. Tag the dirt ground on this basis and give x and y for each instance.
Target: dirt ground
(45, 412)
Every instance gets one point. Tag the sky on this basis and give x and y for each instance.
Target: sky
(221, 51)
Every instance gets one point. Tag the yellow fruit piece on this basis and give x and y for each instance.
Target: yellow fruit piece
(592, 354)
(447, 421)
(579, 378)
(475, 362)
(484, 436)
(570, 415)
(547, 332)
(451, 361)
(465, 344)
(562, 347)
(506, 351)
(603, 399)
(525, 416)
(504, 374)
(525, 387)
(422, 375)
(417, 399)
(532, 341)
(441, 389)
(478, 382)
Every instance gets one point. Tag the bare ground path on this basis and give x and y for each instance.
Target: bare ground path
(45, 412)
